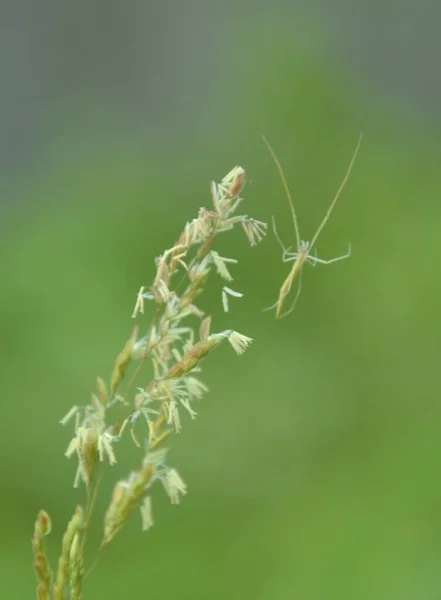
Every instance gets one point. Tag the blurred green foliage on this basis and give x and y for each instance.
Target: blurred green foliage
(313, 464)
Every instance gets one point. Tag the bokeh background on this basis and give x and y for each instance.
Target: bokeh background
(313, 466)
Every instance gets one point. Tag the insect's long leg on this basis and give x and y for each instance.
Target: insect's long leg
(339, 191)
(278, 238)
(270, 307)
(286, 188)
(315, 259)
(312, 259)
(287, 256)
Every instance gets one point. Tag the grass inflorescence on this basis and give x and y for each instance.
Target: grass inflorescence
(173, 342)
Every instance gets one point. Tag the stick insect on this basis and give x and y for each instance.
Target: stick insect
(303, 253)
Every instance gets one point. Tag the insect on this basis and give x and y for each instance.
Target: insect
(303, 253)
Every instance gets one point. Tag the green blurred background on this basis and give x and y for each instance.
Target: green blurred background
(313, 466)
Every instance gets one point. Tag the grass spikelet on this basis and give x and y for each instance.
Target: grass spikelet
(76, 574)
(41, 563)
(126, 496)
(64, 567)
(102, 391)
(122, 362)
(192, 358)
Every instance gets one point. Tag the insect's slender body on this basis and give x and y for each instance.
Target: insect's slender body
(300, 258)
(302, 254)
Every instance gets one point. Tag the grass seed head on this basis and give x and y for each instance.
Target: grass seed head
(170, 345)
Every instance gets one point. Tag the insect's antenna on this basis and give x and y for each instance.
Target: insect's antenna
(286, 188)
(339, 191)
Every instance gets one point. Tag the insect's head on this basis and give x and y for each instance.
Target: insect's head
(303, 247)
